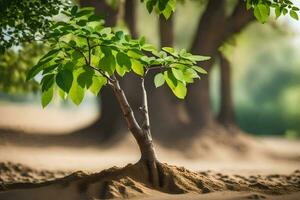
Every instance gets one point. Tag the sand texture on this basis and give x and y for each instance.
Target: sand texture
(133, 181)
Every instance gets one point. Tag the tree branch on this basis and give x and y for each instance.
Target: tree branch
(144, 108)
(89, 46)
(239, 19)
(127, 111)
(210, 29)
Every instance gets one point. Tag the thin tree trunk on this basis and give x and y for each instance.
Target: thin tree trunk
(226, 114)
(142, 134)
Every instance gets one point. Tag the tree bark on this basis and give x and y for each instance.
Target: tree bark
(166, 31)
(209, 37)
(109, 14)
(213, 30)
(226, 114)
(130, 17)
(142, 134)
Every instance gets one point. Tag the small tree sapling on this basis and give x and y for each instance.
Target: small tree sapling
(85, 55)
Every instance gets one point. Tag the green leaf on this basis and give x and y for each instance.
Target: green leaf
(34, 71)
(85, 12)
(108, 62)
(105, 31)
(199, 58)
(261, 12)
(295, 8)
(149, 47)
(284, 11)
(85, 79)
(47, 82)
(120, 70)
(120, 35)
(123, 60)
(93, 18)
(47, 96)
(50, 69)
(62, 94)
(177, 74)
(137, 67)
(190, 73)
(81, 22)
(199, 69)
(180, 90)
(167, 12)
(64, 80)
(51, 54)
(170, 79)
(162, 4)
(159, 80)
(135, 54)
(76, 92)
(294, 15)
(168, 50)
(248, 4)
(97, 83)
(150, 4)
(277, 11)
(74, 10)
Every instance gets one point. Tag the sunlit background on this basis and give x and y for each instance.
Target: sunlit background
(265, 69)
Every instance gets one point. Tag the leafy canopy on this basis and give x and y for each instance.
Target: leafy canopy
(85, 55)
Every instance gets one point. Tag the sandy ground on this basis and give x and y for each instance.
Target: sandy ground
(35, 119)
(95, 159)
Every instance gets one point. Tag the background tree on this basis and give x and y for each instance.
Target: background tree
(25, 21)
(14, 67)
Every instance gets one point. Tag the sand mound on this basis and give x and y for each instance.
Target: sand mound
(135, 181)
(11, 173)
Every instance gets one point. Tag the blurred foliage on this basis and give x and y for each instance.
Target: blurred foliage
(262, 8)
(266, 83)
(14, 65)
(26, 20)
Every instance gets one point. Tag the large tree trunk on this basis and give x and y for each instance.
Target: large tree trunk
(213, 30)
(209, 37)
(226, 114)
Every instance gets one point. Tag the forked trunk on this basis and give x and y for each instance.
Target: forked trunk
(142, 133)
